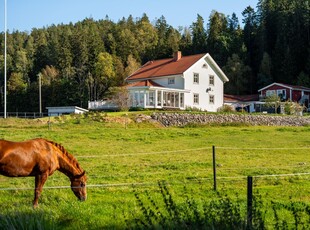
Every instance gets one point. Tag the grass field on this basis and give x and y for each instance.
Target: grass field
(123, 158)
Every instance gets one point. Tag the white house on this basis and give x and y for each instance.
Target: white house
(194, 81)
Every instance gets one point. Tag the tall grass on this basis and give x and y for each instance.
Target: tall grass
(222, 212)
(28, 220)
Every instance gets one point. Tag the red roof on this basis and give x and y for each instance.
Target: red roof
(165, 67)
(241, 98)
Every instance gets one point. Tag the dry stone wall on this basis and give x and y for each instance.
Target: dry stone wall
(182, 119)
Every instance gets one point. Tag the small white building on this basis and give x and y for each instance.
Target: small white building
(194, 81)
(62, 110)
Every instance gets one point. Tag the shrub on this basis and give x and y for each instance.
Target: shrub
(226, 109)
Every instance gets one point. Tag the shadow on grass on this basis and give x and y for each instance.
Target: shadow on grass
(27, 220)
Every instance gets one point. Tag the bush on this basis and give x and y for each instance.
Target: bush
(226, 109)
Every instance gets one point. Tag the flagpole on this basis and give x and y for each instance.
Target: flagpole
(5, 50)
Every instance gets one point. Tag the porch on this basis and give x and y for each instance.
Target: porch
(157, 98)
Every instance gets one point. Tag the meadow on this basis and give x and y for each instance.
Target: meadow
(126, 162)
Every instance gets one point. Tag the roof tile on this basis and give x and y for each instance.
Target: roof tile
(165, 67)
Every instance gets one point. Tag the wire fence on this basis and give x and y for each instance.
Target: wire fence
(221, 171)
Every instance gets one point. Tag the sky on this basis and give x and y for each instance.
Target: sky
(24, 15)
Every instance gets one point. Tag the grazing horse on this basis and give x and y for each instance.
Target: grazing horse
(41, 158)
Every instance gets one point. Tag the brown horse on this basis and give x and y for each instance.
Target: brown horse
(41, 158)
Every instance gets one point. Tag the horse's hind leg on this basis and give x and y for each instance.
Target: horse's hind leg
(39, 182)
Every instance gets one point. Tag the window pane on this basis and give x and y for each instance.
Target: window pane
(211, 80)
(196, 78)
(159, 98)
(211, 99)
(196, 99)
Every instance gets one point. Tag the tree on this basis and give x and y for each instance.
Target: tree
(105, 73)
(16, 87)
(199, 35)
(250, 32)
(120, 96)
(186, 41)
(132, 65)
(235, 34)
(238, 76)
(16, 83)
(119, 70)
(303, 79)
(264, 75)
(49, 75)
(146, 36)
(218, 41)
(273, 101)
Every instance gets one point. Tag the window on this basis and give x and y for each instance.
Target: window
(150, 98)
(269, 93)
(196, 78)
(159, 98)
(281, 94)
(211, 80)
(196, 98)
(171, 81)
(211, 99)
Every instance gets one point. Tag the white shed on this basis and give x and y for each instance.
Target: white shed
(61, 110)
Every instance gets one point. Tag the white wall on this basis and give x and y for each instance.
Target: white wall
(204, 73)
(163, 81)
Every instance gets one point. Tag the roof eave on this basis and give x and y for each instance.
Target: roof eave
(220, 72)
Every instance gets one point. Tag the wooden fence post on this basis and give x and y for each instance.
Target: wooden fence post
(250, 202)
(214, 167)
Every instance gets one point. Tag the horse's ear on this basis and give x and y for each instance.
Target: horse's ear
(80, 175)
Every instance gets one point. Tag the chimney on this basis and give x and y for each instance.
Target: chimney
(177, 55)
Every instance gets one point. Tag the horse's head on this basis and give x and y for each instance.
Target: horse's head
(78, 186)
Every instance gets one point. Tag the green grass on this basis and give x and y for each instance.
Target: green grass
(123, 158)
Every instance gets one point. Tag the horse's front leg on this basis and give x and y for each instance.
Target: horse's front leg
(39, 182)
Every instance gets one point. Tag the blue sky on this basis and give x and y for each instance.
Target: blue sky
(23, 15)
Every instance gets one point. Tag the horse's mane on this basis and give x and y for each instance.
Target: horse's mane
(65, 153)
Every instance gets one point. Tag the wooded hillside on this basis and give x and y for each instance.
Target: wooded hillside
(82, 61)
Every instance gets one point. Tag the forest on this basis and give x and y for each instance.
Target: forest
(84, 61)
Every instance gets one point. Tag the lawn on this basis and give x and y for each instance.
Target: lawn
(123, 158)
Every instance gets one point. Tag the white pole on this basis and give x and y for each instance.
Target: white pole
(5, 49)
(40, 100)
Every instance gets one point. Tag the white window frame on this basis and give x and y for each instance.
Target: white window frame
(171, 81)
(211, 99)
(196, 78)
(270, 93)
(196, 98)
(283, 92)
(211, 80)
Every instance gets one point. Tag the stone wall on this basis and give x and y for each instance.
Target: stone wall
(182, 119)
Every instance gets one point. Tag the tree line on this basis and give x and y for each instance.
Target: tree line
(84, 61)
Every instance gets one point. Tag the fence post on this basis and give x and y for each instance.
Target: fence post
(214, 167)
(250, 202)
